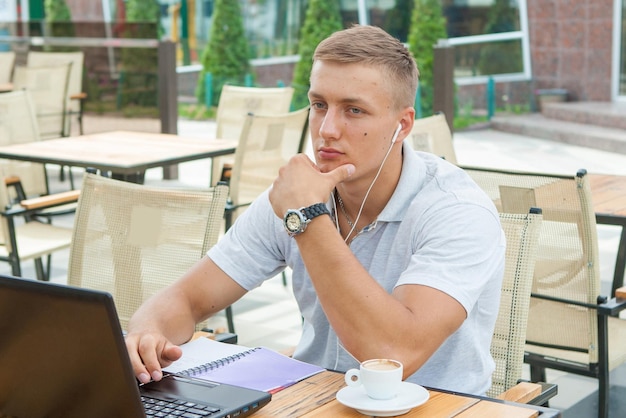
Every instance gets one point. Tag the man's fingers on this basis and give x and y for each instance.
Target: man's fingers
(342, 172)
(170, 354)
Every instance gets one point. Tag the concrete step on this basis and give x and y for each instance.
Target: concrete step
(574, 133)
(607, 114)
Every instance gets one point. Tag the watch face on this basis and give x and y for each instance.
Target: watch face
(292, 222)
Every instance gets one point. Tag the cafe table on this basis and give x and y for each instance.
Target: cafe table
(127, 155)
(315, 398)
(608, 193)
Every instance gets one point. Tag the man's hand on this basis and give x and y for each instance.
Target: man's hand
(300, 183)
(149, 353)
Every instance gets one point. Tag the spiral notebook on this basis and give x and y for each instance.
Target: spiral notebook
(254, 368)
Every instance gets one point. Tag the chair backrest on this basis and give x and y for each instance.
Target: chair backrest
(50, 59)
(7, 61)
(48, 89)
(18, 124)
(132, 240)
(266, 143)
(507, 346)
(567, 263)
(432, 134)
(236, 102)
(234, 105)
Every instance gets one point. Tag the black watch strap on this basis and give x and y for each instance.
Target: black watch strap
(315, 210)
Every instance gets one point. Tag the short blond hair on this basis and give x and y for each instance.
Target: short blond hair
(370, 45)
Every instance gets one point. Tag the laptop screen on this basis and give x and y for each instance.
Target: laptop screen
(59, 355)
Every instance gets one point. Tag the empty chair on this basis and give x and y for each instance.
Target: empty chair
(234, 105)
(266, 143)
(48, 90)
(571, 326)
(132, 240)
(7, 61)
(75, 94)
(432, 134)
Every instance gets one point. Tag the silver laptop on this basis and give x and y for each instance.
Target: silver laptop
(62, 354)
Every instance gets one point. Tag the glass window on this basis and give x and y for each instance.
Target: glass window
(480, 17)
(488, 58)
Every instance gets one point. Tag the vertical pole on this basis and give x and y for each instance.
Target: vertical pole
(168, 96)
(418, 102)
(443, 81)
(491, 97)
(208, 90)
(184, 17)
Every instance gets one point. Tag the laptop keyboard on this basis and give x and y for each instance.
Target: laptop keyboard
(176, 408)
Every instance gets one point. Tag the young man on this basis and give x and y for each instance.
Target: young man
(395, 254)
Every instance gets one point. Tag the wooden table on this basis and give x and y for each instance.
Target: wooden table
(126, 154)
(609, 204)
(315, 397)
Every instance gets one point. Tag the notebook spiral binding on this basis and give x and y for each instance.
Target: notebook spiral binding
(216, 363)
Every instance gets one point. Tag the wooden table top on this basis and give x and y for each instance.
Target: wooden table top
(119, 151)
(315, 398)
(609, 194)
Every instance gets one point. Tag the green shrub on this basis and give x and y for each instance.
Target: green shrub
(139, 78)
(321, 20)
(226, 55)
(427, 26)
(59, 23)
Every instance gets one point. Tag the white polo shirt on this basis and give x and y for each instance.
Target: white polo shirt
(439, 229)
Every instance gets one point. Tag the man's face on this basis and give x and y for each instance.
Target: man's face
(352, 116)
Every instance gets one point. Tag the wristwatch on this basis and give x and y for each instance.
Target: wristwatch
(296, 220)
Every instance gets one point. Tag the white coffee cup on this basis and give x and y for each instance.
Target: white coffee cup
(381, 378)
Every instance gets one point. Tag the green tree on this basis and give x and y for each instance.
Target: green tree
(427, 26)
(321, 20)
(142, 11)
(226, 56)
(140, 65)
(59, 22)
(501, 57)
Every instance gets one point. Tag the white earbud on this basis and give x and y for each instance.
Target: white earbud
(395, 134)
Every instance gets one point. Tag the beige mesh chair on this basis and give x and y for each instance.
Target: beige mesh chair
(75, 94)
(7, 61)
(234, 105)
(571, 327)
(132, 240)
(266, 143)
(24, 238)
(432, 134)
(507, 345)
(48, 90)
(18, 125)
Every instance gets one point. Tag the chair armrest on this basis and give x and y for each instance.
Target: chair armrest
(78, 96)
(613, 306)
(530, 393)
(50, 200)
(521, 393)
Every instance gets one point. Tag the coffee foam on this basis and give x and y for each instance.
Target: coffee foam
(381, 365)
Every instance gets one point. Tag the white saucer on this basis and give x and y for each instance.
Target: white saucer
(410, 396)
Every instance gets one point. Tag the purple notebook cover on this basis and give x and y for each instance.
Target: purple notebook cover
(258, 368)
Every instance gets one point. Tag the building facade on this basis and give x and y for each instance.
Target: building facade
(522, 45)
